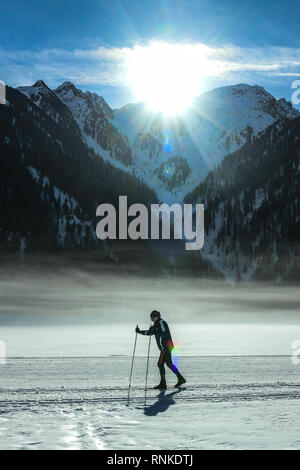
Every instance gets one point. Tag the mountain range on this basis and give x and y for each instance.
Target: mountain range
(170, 155)
(64, 151)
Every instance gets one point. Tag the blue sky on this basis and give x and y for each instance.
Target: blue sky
(85, 41)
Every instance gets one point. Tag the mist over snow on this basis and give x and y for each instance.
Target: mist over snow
(74, 312)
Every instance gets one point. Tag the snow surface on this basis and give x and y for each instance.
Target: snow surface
(75, 337)
(228, 403)
(69, 337)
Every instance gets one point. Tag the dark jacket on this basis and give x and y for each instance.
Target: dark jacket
(162, 334)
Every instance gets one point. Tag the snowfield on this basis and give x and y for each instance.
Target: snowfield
(249, 402)
(69, 340)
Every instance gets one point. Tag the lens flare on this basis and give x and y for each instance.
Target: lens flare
(167, 145)
(175, 349)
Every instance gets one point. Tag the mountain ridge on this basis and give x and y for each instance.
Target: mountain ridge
(51, 181)
(53, 158)
(252, 217)
(172, 155)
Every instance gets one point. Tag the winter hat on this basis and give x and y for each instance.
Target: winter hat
(154, 314)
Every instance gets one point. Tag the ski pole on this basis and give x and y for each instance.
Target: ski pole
(133, 354)
(147, 368)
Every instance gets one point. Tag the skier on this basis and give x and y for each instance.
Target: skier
(165, 344)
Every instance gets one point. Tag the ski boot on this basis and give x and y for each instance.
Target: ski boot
(161, 386)
(181, 381)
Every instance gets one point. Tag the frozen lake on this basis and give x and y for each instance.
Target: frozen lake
(69, 339)
(73, 313)
(80, 403)
(75, 337)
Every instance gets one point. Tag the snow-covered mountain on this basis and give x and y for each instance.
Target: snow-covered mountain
(50, 181)
(236, 150)
(171, 155)
(252, 201)
(175, 154)
(90, 112)
(47, 100)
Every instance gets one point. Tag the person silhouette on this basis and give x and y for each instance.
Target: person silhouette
(161, 331)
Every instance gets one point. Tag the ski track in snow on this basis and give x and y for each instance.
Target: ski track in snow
(80, 403)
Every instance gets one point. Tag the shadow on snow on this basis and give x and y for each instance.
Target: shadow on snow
(162, 404)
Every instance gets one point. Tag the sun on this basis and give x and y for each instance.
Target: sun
(166, 76)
